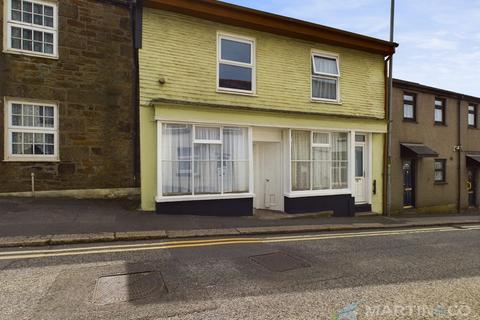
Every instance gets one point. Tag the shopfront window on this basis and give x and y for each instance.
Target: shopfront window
(201, 160)
(319, 160)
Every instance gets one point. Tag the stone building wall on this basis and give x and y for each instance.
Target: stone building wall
(92, 81)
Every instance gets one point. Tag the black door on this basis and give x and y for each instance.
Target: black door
(471, 187)
(408, 183)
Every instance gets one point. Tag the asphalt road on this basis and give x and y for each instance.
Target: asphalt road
(414, 274)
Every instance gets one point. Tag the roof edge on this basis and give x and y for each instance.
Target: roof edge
(409, 85)
(231, 14)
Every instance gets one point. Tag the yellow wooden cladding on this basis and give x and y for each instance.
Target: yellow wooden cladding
(182, 50)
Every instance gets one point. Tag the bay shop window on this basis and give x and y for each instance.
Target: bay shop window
(199, 160)
(319, 160)
(204, 160)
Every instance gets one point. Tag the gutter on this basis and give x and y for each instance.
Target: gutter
(458, 148)
(389, 114)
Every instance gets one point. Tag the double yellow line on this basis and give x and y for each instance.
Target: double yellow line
(163, 245)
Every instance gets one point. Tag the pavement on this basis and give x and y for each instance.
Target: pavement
(42, 222)
(390, 274)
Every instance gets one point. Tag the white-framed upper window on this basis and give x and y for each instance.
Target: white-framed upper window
(319, 160)
(204, 160)
(472, 116)
(236, 64)
(31, 131)
(31, 27)
(325, 77)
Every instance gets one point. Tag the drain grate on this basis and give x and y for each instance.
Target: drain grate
(127, 287)
(279, 262)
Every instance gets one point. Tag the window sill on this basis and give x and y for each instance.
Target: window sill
(318, 193)
(440, 183)
(30, 54)
(473, 128)
(204, 197)
(240, 93)
(31, 160)
(438, 124)
(410, 120)
(333, 102)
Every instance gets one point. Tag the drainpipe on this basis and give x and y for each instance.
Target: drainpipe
(459, 152)
(385, 142)
(136, 13)
(389, 114)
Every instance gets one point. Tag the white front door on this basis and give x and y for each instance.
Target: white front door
(268, 175)
(360, 169)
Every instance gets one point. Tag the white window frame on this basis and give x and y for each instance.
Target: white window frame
(323, 75)
(191, 197)
(474, 109)
(308, 193)
(9, 22)
(10, 128)
(252, 65)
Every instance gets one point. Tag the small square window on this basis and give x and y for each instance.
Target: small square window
(207, 133)
(321, 138)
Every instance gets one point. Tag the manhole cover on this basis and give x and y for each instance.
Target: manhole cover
(127, 287)
(279, 262)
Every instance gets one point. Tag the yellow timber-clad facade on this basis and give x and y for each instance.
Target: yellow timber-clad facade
(234, 118)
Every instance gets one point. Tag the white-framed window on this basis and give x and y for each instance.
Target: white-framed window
(31, 131)
(204, 160)
(235, 64)
(325, 77)
(472, 116)
(440, 170)
(31, 27)
(319, 160)
(440, 108)
(409, 106)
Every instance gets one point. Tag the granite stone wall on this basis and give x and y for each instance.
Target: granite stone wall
(92, 81)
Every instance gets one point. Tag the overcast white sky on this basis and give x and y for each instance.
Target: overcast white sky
(439, 39)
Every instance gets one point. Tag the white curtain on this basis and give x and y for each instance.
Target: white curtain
(321, 168)
(176, 159)
(235, 160)
(324, 88)
(438, 115)
(207, 133)
(408, 111)
(329, 163)
(339, 160)
(326, 65)
(301, 147)
(208, 168)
